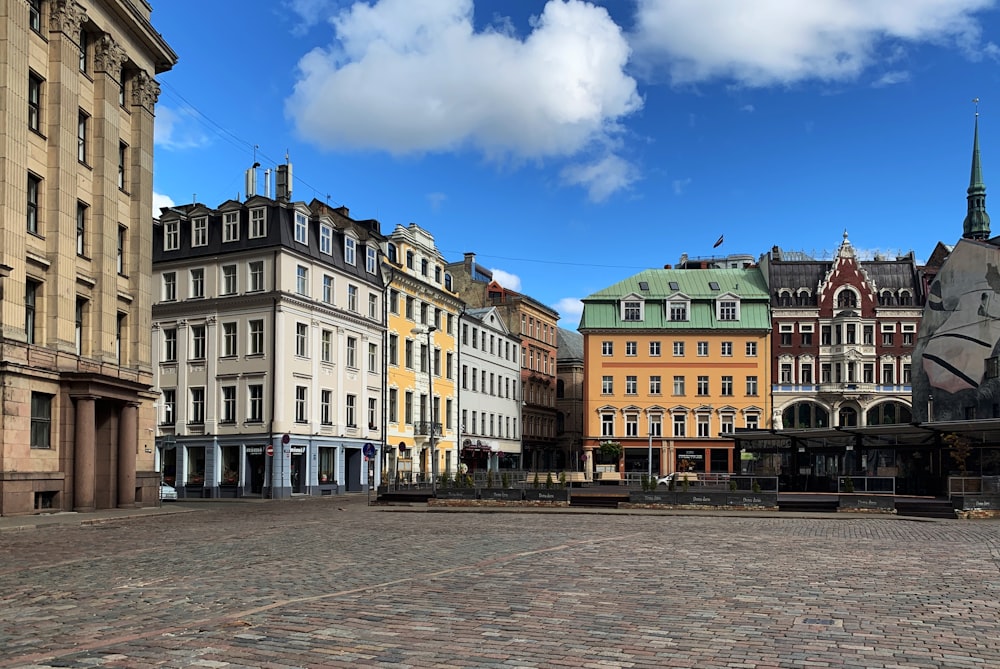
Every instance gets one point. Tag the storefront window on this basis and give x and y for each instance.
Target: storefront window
(195, 474)
(327, 465)
(230, 465)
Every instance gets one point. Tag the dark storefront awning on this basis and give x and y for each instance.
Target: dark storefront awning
(899, 436)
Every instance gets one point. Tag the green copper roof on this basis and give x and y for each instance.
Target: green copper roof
(656, 288)
(977, 221)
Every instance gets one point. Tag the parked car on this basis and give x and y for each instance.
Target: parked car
(691, 477)
(168, 492)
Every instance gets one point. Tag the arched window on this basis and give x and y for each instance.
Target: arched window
(803, 298)
(409, 259)
(847, 299)
(905, 299)
(889, 413)
(885, 298)
(390, 251)
(784, 298)
(848, 417)
(805, 414)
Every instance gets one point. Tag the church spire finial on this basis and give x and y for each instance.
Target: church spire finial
(977, 221)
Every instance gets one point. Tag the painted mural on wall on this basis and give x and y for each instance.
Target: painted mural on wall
(955, 375)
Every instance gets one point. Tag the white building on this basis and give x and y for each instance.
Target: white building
(490, 392)
(268, 348)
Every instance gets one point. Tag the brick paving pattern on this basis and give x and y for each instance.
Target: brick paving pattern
(334, 583)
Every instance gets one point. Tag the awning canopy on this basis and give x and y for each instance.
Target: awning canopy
(985, 432)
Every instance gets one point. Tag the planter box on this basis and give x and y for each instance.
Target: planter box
(228, 491)
(546, 495)
(194, 490)
(503, 494)
(886, 503)
(702, 498)
(661, 497)
(977, 502)
(753, 500)
(456, 493)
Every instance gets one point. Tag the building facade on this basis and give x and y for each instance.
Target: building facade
(423, 311)
(535, 324)
(489, 392)
(674, 361)
(76, 144)
(569, 396)
(268, 328)
(844, 332)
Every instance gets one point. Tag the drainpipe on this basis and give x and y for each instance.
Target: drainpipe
(274, 363)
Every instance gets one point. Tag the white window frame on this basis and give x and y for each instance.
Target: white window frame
(230, 226)
(258, 223)
(350, 251)
(171, 235)
(199, 231)
(301, 228)
(326, 239)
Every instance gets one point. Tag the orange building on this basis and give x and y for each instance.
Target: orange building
(675, 360)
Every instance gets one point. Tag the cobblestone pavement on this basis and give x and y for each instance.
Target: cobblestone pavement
(335, 583)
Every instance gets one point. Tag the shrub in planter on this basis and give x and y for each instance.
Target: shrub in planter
(756, 486)
(489, 479)
(732, 486)
(535, 483)
(505, 480)
(548, 480)
(562, 479)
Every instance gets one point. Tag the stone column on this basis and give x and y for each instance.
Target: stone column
(84, 458)
(128, 424)
(588, 462)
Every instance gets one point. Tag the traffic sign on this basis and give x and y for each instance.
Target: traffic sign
(270, 449)
(368, 450)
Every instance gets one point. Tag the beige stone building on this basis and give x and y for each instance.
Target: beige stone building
(77, 94)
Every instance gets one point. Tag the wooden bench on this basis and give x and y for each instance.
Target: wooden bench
(609, 478)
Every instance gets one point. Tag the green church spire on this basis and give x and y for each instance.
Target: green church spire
(977, 221)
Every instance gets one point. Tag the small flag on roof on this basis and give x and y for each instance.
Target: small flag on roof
(718, 243)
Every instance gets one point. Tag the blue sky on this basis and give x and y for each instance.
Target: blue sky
(572, 144)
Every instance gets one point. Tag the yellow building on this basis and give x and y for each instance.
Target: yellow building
(423, 311)
(675, 360)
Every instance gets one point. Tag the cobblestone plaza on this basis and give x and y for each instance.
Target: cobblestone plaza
(335, 583)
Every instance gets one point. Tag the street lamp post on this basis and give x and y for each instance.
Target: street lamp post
(429, 330)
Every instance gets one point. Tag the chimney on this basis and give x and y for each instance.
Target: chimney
(251, 181)
(470, 259)
(267, 183)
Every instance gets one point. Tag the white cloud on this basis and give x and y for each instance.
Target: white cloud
(769, 42)
(570, 310)
(680, 185)
(310, 12)
(175, 129)
(159, 201)
(414, 77)
(603, 177)
(747, 108)
(891, 79)
(435, 200)
(506, 279)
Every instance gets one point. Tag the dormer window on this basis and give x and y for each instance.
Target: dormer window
(785, 298)
(350, 249)
(301, 228)
(674, 285)
(171, 235)
(713, 285)
(371, 259)
(632, 310)
(678, 311)
(326, 239)
(846, 299)
(728, 310)
(199, 231)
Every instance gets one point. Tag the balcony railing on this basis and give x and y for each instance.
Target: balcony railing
(425, 427)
